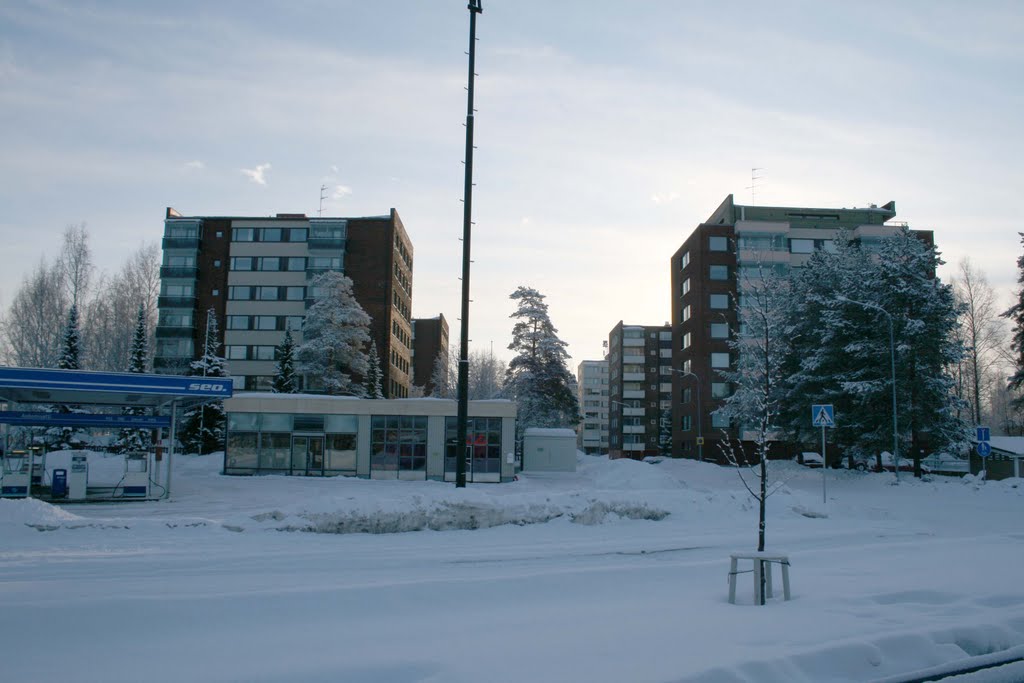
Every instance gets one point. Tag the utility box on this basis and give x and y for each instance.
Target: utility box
(78, 477)
(549, 450)
(15, 477)
(135, 483)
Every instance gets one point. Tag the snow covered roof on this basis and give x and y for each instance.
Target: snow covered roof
(550, 431)
(1010, 444)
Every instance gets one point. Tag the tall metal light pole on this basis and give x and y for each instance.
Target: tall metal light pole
(892, 366)
(700, 413)
(461, 450)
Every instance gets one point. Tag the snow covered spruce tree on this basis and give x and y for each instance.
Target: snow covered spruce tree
(285, 381)
(756, 380)
(202, 430)
(335, 336)
(71, 346)
(1016, 314)
(374, 376)
(841, 347)
(538, 378)
(70, 359)
(136, 439)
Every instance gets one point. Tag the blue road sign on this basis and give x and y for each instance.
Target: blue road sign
(983, 434)
(822, 415)
(984, 449)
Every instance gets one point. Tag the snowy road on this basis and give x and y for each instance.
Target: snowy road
(894, 579)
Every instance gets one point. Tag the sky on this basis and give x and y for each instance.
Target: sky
(605, 131)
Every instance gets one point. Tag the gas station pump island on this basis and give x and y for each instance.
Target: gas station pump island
(28, 397)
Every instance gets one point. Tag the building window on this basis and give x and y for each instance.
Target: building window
(266, 322)
(238, 322)
(293, 323)
(216, 263)
(242, 235)
(687, 395)
(719, 421)
(718, 243)
(483, 441)
(179, 290)
(718, 273)
(241, 263)
(686, 423)
(269, 263)
(174, 348)
(215, 292)
(719, 390)
(719, 330)
(237, 352)
(295, 293)
(720, 360)
(296, 263)
(686, 341)
(684, 287)
(797, 246)
(263, 353)
(684, 260)
(719, 301)
(398, 443)
(684, 314)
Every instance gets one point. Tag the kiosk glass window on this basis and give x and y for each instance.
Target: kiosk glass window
(275, 448)
(483, 440)
(242, 450)
(398, 443)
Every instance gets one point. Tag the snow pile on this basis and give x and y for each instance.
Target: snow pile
(32, 512)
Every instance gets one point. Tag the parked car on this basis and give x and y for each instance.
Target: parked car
(811, 459)
(870, 464)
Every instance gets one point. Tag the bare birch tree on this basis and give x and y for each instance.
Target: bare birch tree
(983, 334)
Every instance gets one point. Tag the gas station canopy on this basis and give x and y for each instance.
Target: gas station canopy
(37, 385)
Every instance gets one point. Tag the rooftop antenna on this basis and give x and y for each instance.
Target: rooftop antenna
(754, 177)
(320, 211)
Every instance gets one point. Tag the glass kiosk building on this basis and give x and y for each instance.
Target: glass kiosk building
(412, 439)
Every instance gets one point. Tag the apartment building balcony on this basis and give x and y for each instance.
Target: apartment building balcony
(181, 272)
(632, 377)
(634, 447)
(181, 243)
(633, 360)
(634, 412)
(633, 394)
(632, 341)
(634, 429)
(165, 332)
(176, 301)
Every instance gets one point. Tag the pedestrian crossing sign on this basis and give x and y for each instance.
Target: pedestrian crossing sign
(822, 415)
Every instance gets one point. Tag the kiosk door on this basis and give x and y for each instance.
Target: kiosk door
(308, 455)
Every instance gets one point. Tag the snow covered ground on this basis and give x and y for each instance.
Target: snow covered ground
(614, 573)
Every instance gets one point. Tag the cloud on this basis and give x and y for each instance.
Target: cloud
(257, 174)
(341, 191)
(194, 165)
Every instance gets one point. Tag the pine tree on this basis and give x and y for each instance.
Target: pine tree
(136, 439)
(285, 381)
(202, 430)
(335, 336)
(70, 359)
(71, 346)
(374, 375)
(841, 348)
(1016, 314)
(538, 378)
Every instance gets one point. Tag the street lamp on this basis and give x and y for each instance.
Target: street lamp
(700, 437)
(892, 365)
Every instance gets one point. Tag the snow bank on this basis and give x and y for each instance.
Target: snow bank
(32, 512)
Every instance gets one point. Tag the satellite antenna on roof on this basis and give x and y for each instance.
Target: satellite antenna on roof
(320, 211)
(753, 185)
